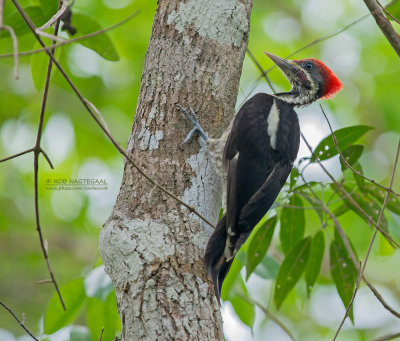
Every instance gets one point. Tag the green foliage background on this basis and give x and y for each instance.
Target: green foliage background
(71, 220)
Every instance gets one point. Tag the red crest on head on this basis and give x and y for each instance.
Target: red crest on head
(332, 83)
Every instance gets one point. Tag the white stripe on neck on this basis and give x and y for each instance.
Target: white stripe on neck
(273, 124)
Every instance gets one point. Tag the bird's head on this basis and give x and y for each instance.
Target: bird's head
(310, 78)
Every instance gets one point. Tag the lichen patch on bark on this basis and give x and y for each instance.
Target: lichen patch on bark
(226, 21)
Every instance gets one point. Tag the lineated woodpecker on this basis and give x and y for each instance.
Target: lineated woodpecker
(257, 153)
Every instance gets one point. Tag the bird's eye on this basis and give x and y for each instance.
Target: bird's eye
(308, 66)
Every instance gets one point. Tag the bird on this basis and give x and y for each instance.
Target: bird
(257, 153)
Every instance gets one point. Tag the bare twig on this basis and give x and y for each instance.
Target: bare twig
(384, 24)
(21, 323)
(388, 337)
(94, 116)
(29, 151)
(73, 40)
(36, 152)
(387, 12)
(16, 155)
(263, 73)
(13, 38)
(101, 334)
(99, 115)
(380, 298)
(346, 162)
(59, 13)
(267, 313)
(50, 36)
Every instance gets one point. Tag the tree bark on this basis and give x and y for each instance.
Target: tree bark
(153, 247)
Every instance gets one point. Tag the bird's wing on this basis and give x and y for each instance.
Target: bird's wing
(259, 154)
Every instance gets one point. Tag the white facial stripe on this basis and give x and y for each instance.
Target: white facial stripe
(304, 96)
(273, 123)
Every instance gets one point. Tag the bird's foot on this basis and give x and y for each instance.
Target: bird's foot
(195, 123)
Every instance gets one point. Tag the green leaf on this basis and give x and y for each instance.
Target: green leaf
(292, 224)
(291, 270)
(227, 291)
(368, 205)
(74, 296)
(311, 200)
(103, 314)
(294, 175)
(307, 185)
(18, 24)
(351, 155)
(49, 7)
(315, 261)
(393, 203)
(232, 288)
(394, 10)
(341, 209)
(102, 44)
(243, 309)
(345, 137)
(359, 179)
(268, 268)
(39, 63)
(259, 245)
(343, 271)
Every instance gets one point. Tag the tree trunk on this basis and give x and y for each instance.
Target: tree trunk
(151, 245)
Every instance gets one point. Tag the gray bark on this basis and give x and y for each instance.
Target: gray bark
(151, 246)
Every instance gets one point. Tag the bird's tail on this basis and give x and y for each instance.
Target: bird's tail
(214, 258)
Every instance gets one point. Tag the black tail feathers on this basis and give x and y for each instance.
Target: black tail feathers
(214, 258)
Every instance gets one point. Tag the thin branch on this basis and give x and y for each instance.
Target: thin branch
(59, 13)
(46, 157)
(263, 73)
(16, 155)
(384, 24)
(387, 12)
(36, 152)
(13, 38)
(380, 298)
(104, 129)
(72, 40)
(50, 36)
(267, 313)
(388, 337)
(349, 198)
(346, 162)
(101, 334)
(300, 207)
(21, 323)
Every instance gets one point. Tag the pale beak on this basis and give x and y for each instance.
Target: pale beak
(287, 68)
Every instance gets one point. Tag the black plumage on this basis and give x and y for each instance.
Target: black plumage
(256, 173)
(259, 152)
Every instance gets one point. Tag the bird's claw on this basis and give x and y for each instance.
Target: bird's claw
(192, 118)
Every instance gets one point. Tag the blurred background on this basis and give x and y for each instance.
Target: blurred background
(71, 220)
